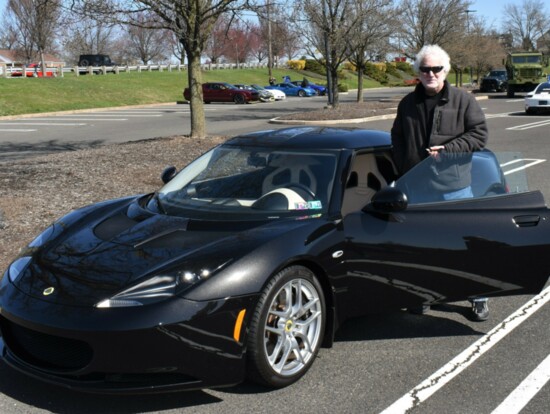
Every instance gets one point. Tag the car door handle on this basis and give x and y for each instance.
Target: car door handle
(526, 221)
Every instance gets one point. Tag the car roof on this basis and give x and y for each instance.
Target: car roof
(315, 137)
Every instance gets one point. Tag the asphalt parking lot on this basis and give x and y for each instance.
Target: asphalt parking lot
(394, 363)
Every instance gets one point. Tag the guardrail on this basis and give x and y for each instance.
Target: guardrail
(17, 72)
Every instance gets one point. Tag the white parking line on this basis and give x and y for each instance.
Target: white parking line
(111, 114)
(77, 119)
(525, 392)
(523, 167)
(41, 123)
(530, 125)
(17, 130)
(501, 115)
(431, 385)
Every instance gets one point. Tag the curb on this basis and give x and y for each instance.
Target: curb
(79, 111)
(345, 121)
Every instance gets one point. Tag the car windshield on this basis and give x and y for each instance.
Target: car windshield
(543, 88)
(497, 74)
(239, 183)
(526, 59)
(454, 176)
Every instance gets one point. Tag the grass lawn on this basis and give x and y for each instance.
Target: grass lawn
(37, 95)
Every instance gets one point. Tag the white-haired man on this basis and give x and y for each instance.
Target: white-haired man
(438, 118)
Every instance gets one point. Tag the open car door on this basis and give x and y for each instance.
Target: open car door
(407, 254)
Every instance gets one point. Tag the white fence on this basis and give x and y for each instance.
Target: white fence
(17, 72)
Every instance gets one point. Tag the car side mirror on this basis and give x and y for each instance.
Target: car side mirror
(168, 173)
(389, 200)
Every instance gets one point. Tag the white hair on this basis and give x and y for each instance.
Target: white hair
(435, 51)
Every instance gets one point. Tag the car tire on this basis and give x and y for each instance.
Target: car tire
(301, 93)
(239, 99)
(529, 111)
(286, 328)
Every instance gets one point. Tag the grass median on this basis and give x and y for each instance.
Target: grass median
(71, 92)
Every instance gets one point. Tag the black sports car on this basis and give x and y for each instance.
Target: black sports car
(246, 262)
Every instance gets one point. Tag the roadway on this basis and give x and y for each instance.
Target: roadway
(383, 363)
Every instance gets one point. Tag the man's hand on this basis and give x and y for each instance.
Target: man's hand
(434, 151)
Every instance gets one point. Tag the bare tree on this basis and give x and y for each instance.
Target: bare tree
(237, 49)
(371, 37)
(35, 22)
(526, 23)
(326, 25)
(8, 34)
(258, 44)
(88, 35)
(424, 22)
(191, 22)
(146, 42)
(486, 49)
(215, 45)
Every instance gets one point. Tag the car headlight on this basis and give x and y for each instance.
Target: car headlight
(17, 268)
(160, 287)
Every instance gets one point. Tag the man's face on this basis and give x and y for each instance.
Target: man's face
(433, 82)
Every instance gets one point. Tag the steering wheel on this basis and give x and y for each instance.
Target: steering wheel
(303, 188)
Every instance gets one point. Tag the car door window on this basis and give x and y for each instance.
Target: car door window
(479, 174)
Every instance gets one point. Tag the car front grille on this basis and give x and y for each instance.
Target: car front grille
(46, 351)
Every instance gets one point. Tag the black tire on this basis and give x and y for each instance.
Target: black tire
(301, 93)
(239, 99)
(84, 62)
(510, 93)
(286, 332)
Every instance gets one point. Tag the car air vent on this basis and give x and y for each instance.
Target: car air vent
(113, 226)
(181, 239)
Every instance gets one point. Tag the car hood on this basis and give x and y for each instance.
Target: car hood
(104, 253)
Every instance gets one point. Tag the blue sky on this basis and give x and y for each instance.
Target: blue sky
(490, 10)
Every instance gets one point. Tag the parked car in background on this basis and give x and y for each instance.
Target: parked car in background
(95, 60)
(225, 92)
(319, 89)
(539, 99)
(248, 260)
(292, 90)
(32, 70)
(496, 80)
(265, 95)
(277, 94)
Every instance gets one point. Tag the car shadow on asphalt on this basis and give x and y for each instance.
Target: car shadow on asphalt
(14, 151)
(400, 324)
(34, 393)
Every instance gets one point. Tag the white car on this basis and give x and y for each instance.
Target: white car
(539, 99)
(278, 95)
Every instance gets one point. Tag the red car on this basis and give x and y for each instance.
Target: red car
(224, 92)
(36, 71)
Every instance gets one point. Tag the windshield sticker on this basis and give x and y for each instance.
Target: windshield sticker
(310, 205)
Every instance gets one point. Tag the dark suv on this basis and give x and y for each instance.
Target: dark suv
(95, 60)
(496, 80)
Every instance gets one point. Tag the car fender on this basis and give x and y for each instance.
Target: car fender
(250, 273)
